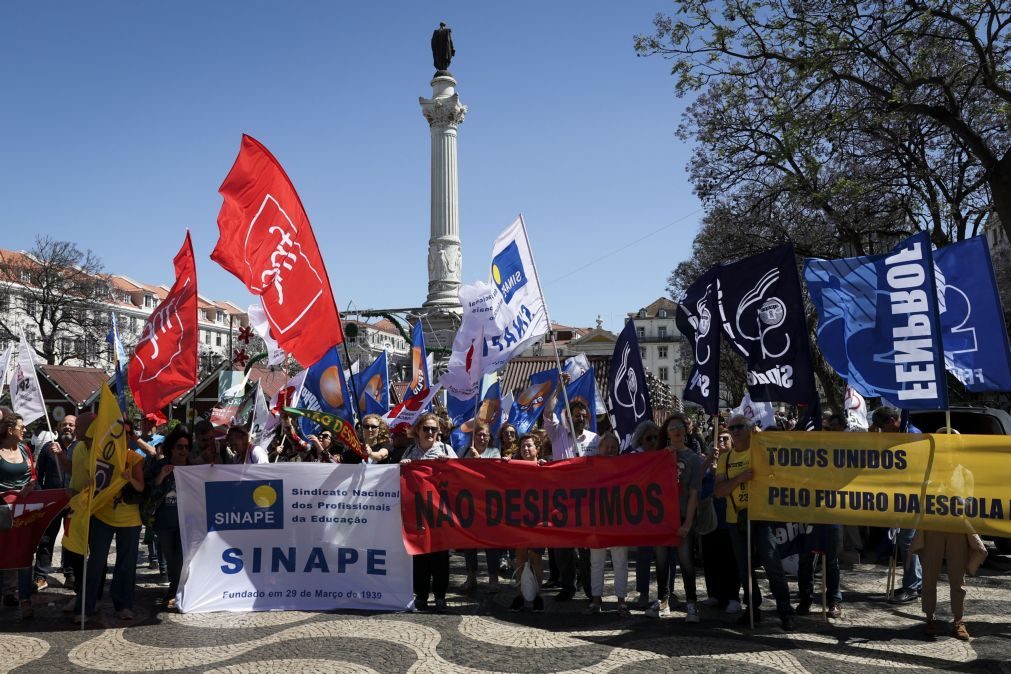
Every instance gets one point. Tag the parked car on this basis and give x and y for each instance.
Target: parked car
(970, 421)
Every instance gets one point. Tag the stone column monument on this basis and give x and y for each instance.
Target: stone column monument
(445, 114)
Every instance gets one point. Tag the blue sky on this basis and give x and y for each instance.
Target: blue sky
(120, 120)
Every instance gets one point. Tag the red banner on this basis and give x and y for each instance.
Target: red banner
(32, 514)
(164, 364)
(267, 242)
(595, 502)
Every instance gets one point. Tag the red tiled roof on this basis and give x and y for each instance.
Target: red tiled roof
(76, 383)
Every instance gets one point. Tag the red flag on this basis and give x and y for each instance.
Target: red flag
(164, 363)
(31, 515)
(267, 242)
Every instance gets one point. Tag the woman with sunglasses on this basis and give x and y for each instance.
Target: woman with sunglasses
(431, 570)
(166, 511)
(723, 585)
(376, 435)
(508, 446)
(530, 450)
(690, 469)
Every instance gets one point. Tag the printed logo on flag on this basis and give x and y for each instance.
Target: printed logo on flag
(245, 504)
(507, 271)
(275, 261)
(163, 338)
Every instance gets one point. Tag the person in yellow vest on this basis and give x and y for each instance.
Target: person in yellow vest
(731, 482)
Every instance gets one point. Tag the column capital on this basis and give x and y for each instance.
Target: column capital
(445, 111)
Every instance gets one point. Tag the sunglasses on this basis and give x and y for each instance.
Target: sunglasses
(325, 436)
(371, 427)
(429, 429)
(184, 445)
(736, 427)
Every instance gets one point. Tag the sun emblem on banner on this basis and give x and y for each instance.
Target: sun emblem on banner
(264, 496)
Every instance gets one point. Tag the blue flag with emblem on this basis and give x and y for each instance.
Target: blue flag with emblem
(420, 379)
(762, 312)
(697, 319)
(529, 404)
(461, 415)
(373, 387)
(974, 334)
(583, 389)
(326, 390)
(626, 388)
(878, 324)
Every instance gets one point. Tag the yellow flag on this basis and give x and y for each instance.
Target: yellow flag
(107, 458)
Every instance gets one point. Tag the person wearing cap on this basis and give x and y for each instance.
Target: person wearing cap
(889, 420)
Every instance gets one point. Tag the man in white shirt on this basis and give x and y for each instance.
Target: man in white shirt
(562, 446)
(238, 442)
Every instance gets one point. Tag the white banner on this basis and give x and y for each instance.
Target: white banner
(26, 394)
(5, 363)
(292, 536)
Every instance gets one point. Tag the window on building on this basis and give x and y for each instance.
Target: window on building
(221, 316)
(149, 301)
(31, 306)
(662, 313)
(207, 337)
(5, 302)
(217, 339)
(662, 373)
(642, 352)
(641, 332)
(661, 331)
(661, 352)
(642, 313)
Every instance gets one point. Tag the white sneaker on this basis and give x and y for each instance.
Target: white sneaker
(710, 601)
(658, 610)
(692, 615)
(733, 606)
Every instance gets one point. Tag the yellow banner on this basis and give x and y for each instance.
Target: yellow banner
(955, 483)
(108, 456)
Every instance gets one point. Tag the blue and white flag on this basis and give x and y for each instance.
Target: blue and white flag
(583, 389)
(878, 324)
(461, 415)
(697, 320)
(626, 390)
(762, 311)
(373, 387)
(529, 404)
(119, 359)
(975, 337)
(324, 388)
(420, 379)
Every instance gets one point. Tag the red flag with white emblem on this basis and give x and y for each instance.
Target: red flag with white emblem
(164, 364)
(266, 241)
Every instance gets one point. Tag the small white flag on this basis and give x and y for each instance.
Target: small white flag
(261, 326)
(26, 394)
(856, 410)
(761, 414)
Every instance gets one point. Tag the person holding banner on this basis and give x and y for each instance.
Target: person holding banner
(481, 436)
(238, 442)
(507, 444)
(645, 438)
(431, 570)
(17, 478)
(530, 450)
(732, 477)
(608, 446)
(376, 435)
(722, 583)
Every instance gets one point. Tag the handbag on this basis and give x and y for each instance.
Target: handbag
(705, 517)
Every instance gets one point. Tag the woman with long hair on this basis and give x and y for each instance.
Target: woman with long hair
(431, 570)
(165, 505)
(376, 435)
(530, 450)
(608, 446)
(480, 438)
(17, 480)
(508, 445)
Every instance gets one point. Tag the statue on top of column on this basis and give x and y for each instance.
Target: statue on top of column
(442, 47)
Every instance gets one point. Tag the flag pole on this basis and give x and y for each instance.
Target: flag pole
(551, 333)
(752, 605)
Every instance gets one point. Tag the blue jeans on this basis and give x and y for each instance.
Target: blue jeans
(124, 574)
(764, 545)
(912, 574)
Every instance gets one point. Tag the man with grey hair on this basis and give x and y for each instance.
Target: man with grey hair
(889, 420)
(731, 482)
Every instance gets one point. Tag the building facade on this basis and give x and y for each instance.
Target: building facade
(660, 343)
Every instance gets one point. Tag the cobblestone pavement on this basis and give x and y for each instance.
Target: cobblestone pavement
(480, 634)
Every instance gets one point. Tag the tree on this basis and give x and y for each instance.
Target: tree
(61, 291)
(940, 64)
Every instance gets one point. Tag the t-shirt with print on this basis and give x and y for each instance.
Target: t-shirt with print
(732, 464)
(689, 477)
(115, 513)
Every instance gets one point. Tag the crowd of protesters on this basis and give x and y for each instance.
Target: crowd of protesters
(713, 486)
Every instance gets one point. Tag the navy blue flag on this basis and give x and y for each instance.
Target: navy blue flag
(878, 323)
(762, 312)
(529, 404)
(972, 319)
(697, 320)
(373, 387)
(325, 389)
(583, 389)
(626, 391)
